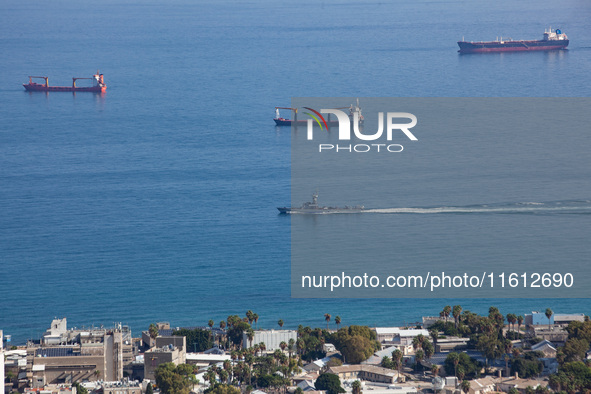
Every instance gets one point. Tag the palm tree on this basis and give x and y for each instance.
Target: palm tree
(460, 373)
(97, 374)
(300, 346)
(356, 386)
(457, 310)
(291, 346)
(516, 352)
(283, 345)
(210, 323)
(434, 336)
(429, 349)
(508, 347)
(419, 355)
(415, 343)
(397, 359)
(250, 335)
(455, 358)
(153, 331)
(519, 322)
(446, 312)
(228, 367)
(435, 369)
(280, 322)
(327, 318)
(224, 376)
(465, 386)
(549, 314)
(249, 316)
(255, 317)
(277, 355)
(337, 320)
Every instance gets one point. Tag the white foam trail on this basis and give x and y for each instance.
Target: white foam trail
(521, 208)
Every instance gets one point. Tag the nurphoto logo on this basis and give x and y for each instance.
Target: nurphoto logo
(354, 120)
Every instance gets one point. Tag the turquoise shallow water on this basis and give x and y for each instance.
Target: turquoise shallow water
(157, 201)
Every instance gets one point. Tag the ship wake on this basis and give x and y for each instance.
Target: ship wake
(554, 207)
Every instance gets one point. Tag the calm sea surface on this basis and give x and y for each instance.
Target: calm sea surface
(156, 201)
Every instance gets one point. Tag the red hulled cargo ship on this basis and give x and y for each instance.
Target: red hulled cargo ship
(553, 39)
(98, 85)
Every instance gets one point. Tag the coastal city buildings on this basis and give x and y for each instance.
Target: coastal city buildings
(111, 361)
(167, 353)
(73, 355)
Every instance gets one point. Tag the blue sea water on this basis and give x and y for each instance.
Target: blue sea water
(157, 200)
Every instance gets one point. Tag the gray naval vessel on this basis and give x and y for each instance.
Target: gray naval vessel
(312, 208)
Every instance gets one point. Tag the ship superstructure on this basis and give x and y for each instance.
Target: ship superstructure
(312, 207)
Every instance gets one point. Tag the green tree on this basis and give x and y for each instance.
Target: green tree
(575, 349)
(457, 310)
(419, 355)
(149, 389)
(256, 319)
(548, 314)
(174, 379)
(435, 369)
(446, 312)
(509, 319)
(465, 386)
(452, 359)
(80, 389)
(198, 340)
(356, 343)
(428, 348)
(153, 331)
(527, 366)
(280, 323)
(356, 349)
(386, 362)
(250, 335)
(337, 321)
(460, 373)
(222, 389)
(329, 382)
(334, 362)
(236, 330)
(434, 334)
(519, 323)
(470, 366)
(327, 318)
(250, 316)
(356, 386)
(397, 359)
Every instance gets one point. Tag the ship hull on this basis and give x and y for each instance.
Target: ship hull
(37, 87)
(511, 46)
(319, 211)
